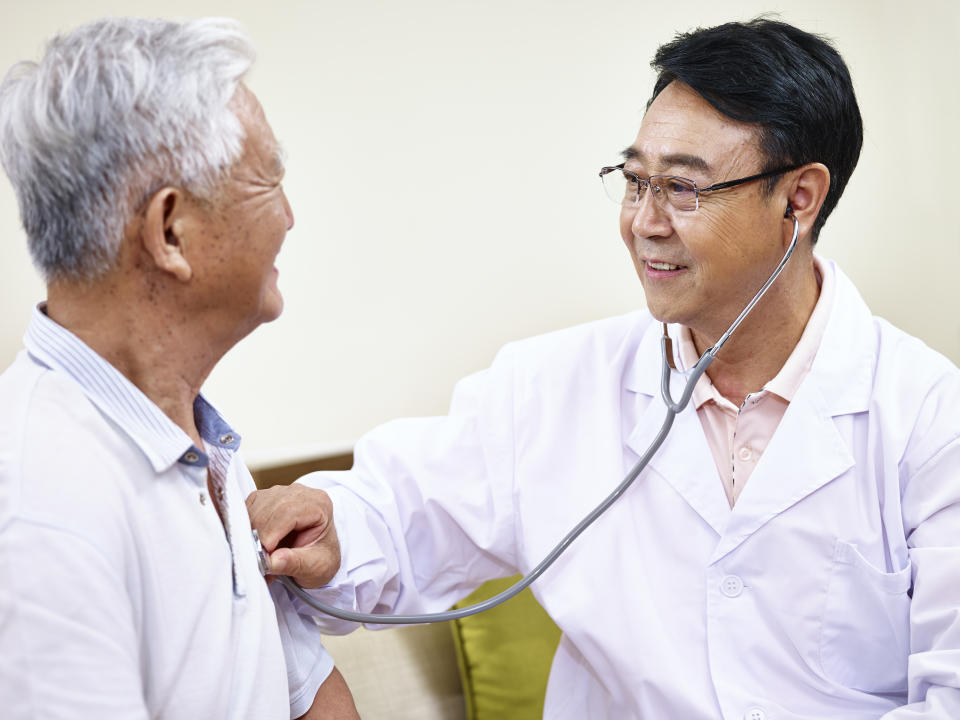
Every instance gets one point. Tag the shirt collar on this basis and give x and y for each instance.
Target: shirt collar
(788, 379)
(704, 390)
(161, 440)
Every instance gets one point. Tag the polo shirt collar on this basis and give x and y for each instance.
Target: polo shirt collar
(161, 440)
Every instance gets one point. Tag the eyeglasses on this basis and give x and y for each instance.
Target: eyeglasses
(671, 192)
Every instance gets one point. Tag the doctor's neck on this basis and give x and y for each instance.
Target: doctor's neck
(760, 347)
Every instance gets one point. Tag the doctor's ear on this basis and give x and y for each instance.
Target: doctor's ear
(806, 195)
(163, 232)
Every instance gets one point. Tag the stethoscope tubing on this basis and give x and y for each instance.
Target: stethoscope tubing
(673, 409)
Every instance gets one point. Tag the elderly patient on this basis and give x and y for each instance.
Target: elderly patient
(149, 185)
(793, 550)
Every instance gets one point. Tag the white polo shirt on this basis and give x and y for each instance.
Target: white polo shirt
(122, 593)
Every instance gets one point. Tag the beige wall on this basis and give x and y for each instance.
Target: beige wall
(442, 169)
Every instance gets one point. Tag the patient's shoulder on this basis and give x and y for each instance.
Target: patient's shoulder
(62, 461)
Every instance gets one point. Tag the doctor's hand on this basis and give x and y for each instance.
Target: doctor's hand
(296, 529)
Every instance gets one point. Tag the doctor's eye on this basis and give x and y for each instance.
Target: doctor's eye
(678, 186)
(679, 192)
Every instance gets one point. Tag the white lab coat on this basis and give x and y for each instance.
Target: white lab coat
(831, 589)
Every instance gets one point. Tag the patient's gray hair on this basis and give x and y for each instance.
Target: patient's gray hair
(114, 111)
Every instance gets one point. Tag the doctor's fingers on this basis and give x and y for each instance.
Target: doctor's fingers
(302, 513)
(312, 566)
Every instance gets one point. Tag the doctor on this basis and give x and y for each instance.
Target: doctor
(793, 550)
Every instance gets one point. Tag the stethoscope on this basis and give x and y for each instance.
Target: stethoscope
(673, 409)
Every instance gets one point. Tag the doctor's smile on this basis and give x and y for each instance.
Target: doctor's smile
(659, 269)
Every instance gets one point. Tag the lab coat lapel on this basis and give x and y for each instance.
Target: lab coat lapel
(684, 460)
(807, 450)
(805, 453)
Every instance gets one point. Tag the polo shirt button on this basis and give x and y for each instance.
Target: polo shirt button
(745, 453)
(755, 713)
(731, 586)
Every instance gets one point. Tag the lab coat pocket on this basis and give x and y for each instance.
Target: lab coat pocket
(865, 636)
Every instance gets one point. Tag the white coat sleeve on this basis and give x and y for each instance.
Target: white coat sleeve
(931, 514)
(427, 512)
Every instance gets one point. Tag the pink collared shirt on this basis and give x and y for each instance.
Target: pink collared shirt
(738, 436)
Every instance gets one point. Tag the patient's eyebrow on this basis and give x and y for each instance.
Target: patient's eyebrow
(670, 160)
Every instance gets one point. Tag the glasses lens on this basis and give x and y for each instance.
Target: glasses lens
(678, 193)
(620, 188)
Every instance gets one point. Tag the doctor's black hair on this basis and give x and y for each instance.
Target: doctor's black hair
(792, 84)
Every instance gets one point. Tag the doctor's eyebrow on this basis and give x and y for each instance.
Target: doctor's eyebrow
(671, 160)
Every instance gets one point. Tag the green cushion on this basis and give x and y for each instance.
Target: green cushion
(505, 655)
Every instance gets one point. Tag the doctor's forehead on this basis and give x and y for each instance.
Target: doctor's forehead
(683, 133)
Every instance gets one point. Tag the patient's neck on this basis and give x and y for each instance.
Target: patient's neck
(151, 344)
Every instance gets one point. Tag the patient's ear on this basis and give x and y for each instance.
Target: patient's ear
(163, 232)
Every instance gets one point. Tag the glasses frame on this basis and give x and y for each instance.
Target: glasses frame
(645, 183)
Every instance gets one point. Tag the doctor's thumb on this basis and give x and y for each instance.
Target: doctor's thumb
(311, 566)
(282, 562)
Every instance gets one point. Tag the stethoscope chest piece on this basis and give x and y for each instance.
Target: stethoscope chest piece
(263, 560)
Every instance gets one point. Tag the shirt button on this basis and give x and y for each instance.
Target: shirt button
(755, 713)
(191, 457)
(745, 453)
(226, 439)
(731, 586)
(203, 499)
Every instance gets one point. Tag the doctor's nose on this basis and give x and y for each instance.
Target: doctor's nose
(649, 219)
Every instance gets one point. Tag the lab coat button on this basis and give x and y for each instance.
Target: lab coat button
(755, 713)
(731, 586)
